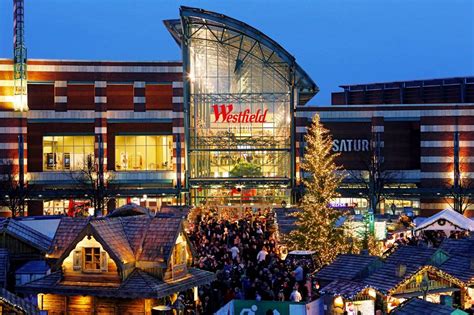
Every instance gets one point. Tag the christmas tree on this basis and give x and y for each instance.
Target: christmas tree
(319, 227)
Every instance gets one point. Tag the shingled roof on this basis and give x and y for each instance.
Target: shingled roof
(413, 257)
(421, 307)
(161, 234)
(127, 238)
(348, 267)
(67, 231)
(344, 288)
(130, 209)
(4, 260)
(459, 267)
(138, 285)
(18, 303)
(463, 246)
(115, 238)
(25, 234)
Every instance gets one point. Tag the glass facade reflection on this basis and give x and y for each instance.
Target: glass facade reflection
(240, 119)
(240, 91)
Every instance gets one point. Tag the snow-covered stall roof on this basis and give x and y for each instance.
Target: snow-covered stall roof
(446, 220)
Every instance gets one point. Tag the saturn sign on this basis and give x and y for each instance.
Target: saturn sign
(350, 145)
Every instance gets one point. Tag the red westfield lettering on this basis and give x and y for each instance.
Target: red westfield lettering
(224, 113)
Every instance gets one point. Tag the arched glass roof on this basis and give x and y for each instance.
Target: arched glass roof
(263, 46)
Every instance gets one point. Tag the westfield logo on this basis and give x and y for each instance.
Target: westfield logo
(225, 113)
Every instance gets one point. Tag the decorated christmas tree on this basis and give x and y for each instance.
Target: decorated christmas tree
(319, 227)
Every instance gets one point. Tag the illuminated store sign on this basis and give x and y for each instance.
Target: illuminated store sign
(224, 113)
(349, 145)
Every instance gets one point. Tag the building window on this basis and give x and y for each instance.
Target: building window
(61, 153)
(91, 259)
(143, 153)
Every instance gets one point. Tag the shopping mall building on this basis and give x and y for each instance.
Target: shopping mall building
(225, 125)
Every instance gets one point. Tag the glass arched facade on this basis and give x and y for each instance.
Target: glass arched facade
(239, 93)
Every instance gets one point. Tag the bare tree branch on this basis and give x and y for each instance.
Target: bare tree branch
(13, 194)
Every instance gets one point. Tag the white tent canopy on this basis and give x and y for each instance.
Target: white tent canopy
(446, 220)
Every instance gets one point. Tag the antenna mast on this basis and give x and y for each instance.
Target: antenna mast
(19, 52)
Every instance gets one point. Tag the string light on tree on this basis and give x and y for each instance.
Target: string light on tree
(319, 226)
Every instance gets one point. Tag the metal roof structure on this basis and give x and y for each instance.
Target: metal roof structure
(407, 84)
(307, 87)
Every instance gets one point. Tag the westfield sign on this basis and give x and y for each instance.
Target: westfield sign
(225, 113)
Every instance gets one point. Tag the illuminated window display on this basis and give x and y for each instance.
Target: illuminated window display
(143, 153)
(66, 153)
(239, 107)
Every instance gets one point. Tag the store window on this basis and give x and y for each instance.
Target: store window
(66, 153)
(143, 153)
(71, 207)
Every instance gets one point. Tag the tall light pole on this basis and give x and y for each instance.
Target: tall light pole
(19, 56)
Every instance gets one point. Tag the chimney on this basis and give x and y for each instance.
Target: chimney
(401, 270)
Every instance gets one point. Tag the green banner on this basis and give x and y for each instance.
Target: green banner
(248, 307)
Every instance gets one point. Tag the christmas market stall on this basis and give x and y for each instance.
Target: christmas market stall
(447, 221)
(422, 307)
(438, 275)
(124, 264)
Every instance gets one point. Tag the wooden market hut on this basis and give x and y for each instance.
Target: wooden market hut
(410, 271)
(19, 244)
(116, 265)
(14, 305)
(421, 307)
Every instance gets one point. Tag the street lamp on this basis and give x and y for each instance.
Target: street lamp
(424, 286)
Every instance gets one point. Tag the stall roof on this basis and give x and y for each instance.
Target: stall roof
(456, 219)
(18, 303)
(344, 288)
(138, 285)
(458, 247)
(347, 267)
(30, 236)
(421, 307)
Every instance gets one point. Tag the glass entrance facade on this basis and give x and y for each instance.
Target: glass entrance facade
(240, 119)
(240, 91)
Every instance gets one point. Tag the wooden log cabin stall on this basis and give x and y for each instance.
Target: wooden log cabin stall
(444, 276)
(22, 247)
(117, 265)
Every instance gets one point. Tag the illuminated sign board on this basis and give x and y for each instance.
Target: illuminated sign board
(225, 113)
(350, 145)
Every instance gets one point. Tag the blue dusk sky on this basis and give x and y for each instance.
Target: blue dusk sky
(336, 42)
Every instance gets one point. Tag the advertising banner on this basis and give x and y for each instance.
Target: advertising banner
(248, 307)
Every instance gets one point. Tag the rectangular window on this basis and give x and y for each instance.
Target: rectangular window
(91, 259)
(66, 153)
(143, 153)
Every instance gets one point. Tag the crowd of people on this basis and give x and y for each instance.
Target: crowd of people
(245, 255)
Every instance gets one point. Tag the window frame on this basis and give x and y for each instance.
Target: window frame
(59, 150)
(99, 262)
(130, 151)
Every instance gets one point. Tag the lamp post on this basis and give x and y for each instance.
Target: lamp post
(424, 286)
